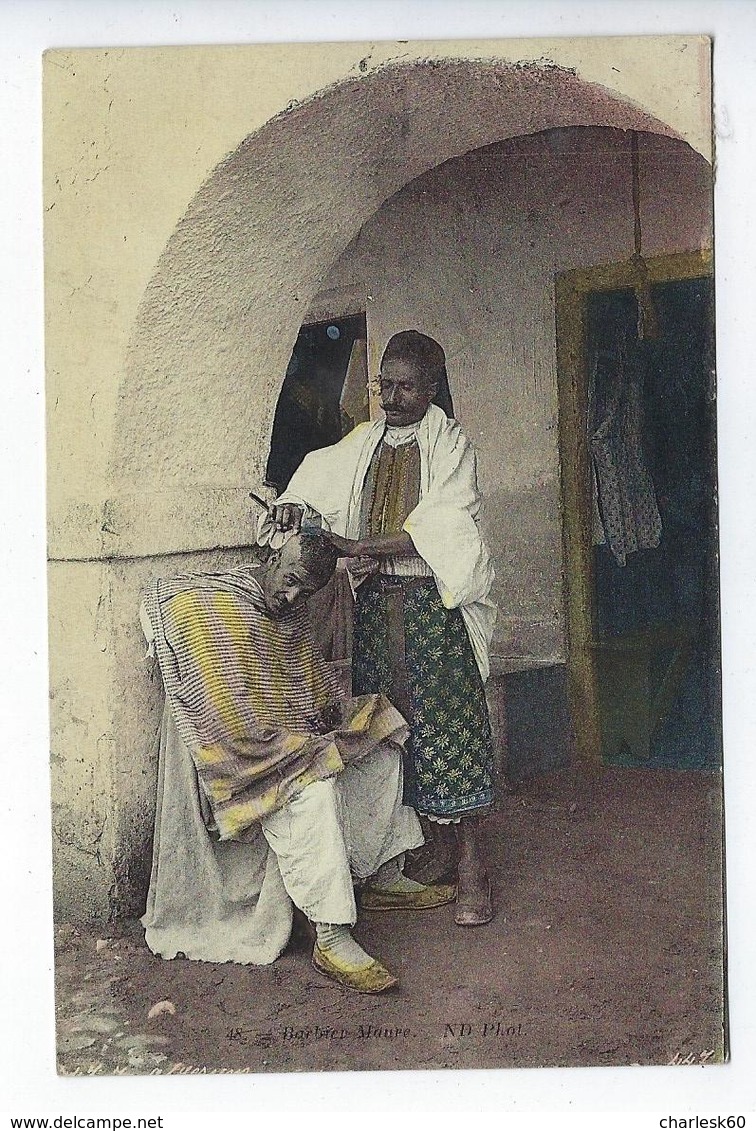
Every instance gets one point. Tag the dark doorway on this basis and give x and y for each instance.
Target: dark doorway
(652, 449)
(324, 394)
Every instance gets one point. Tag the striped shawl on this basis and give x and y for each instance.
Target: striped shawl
(245, 689)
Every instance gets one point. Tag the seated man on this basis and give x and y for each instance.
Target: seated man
(299, 790)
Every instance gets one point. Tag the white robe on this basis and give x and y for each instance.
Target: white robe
(443, 526)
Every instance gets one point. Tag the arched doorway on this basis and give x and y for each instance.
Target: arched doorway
(219, 319)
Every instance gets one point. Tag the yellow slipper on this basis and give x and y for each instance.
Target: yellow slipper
(372, 979)
(382, 899)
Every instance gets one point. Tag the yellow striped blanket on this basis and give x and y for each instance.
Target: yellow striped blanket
(250, 693)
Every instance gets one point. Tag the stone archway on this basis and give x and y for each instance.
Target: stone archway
(217, 323)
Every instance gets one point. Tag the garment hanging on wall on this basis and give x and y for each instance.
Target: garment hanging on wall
(625, 512)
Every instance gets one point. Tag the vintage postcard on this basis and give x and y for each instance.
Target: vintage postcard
(383, 556)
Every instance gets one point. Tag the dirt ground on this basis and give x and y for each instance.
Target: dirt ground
(606, 949)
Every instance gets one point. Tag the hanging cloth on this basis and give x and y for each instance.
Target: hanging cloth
(625, 511)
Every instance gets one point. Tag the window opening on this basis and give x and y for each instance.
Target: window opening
(324, 394)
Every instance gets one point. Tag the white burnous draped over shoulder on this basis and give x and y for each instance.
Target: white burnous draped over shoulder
(443, 526)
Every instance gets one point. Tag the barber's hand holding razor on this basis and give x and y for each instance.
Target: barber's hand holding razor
(283, 516)
(286, 517)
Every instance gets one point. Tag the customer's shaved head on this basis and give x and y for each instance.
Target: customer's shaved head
(318, 555)
(304, 564)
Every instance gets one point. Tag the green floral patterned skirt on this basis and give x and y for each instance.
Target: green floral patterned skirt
(416, 652)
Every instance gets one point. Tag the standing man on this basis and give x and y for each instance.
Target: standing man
(400, 498)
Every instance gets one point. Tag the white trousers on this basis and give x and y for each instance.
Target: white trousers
(231, 901)
(343, 827)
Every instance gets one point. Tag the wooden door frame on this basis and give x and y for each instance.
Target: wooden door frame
(571, 299)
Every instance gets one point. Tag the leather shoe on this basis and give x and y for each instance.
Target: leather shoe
(383, 899)
(372, 979)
